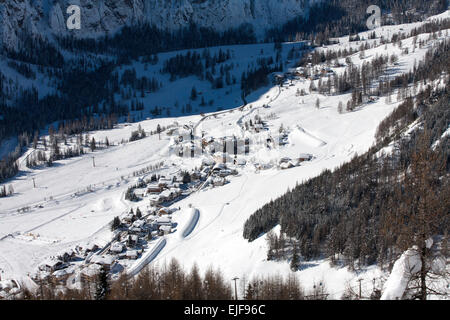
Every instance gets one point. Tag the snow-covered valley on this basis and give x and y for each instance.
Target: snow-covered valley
(54, 209)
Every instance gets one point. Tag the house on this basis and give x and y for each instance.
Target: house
(163, 182)
(166, 195)
(91, 272)
(154, 189)
(284, 160)
(208, 161)
(132, 254)
(287, 165)
(106, 261)
(139, 224)
(163, 211)
(155, 200)
(175, 192)
(225, 173)
(92, 247)
(140, 192)
(116, 247)
(151, 218)
(304, 157)
(135, 230)
(218, 167)
(278, 78)
(62, 275)
(166, 229)
(52, 264)
(164, 220)
(128, 218)
(66, 256)
(217, 182)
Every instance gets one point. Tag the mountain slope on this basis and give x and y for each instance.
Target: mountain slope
(44, 17)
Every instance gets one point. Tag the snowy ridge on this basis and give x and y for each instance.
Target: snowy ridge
(100, 17)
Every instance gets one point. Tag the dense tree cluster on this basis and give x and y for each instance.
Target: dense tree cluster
(257, 77)
(141, 84)
(36, 50)
(144, 39)
(172, 282)
(344, 214)
(184, 65)
(337, 18)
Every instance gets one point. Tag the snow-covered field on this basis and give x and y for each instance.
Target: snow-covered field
(63, 214)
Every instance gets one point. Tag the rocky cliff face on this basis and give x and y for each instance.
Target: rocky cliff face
(99, 17)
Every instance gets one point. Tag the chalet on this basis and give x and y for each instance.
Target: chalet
(66, 256)
(135, 230)
(175, 192)
(52, 265)
(287, 165)
(154, 189)
(62, 275)
(140, 192)
(90, 273)
(106, 261)
(163, 182)
(165, 229)
(278, 78)
(139, 224)
(116, 247)
(165, 220)
(208, 161)
(92, 247)
(152, 218)
(285, 160)
(128, 218)
(304, 157)
(225, 173)
(155, 200)
(218, 167)
(217, 182)
(163, 211)
(166, 195)
(132, 254)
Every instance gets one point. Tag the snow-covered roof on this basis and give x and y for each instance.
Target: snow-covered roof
(117, 247)
(91, 270)
(165, 228)
(138, 223)
(165, 194)
(163, 219)
(132, 253)
(103, 260)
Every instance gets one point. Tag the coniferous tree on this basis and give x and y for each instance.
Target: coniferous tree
(102, 287)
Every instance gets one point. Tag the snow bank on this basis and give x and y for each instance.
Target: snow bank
(147, 257)
(194, 215)
(408, 264)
